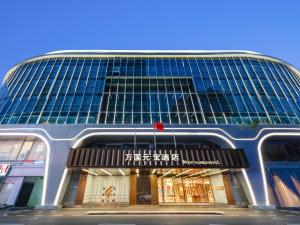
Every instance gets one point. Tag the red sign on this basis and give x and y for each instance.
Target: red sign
(4, 169)
(159, 126)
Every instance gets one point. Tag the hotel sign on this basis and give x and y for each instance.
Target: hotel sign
(154, 157)
(4, 168)
(193, 158)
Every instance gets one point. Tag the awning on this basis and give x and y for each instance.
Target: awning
(191, 158)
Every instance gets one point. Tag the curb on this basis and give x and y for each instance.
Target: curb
(154, 212)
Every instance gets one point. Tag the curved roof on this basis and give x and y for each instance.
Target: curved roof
(175, 52)
(110, 53)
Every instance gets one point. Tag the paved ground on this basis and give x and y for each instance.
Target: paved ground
(80, 217)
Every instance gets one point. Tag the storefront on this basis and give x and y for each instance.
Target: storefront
(21, 171)
(102, 177)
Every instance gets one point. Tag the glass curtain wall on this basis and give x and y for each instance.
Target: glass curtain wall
(143, 90)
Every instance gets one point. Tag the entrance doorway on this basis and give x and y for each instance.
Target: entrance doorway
(24, 194)
(143, 187)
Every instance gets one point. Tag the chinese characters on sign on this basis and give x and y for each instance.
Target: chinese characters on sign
(148, 157)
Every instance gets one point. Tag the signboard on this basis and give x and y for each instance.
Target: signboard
(193, 158)
(4, 168)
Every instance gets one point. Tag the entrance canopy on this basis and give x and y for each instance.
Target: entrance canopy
(183, 158)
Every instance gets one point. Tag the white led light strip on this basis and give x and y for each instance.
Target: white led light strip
(29, 132)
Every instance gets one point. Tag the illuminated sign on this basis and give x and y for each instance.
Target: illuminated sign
(148, 157)
(4, 168)
(192, 158)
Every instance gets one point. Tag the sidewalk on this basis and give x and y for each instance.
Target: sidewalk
(141, 210)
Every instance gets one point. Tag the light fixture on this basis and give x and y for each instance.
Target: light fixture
(121, 171)
(183, 172)
(104, 171)
(220, 171)
(95, 174)
(154, 171)
(137, 171)
(167, 173)
(203, 171)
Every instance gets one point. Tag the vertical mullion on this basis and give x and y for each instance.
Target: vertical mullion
(283, 80)
(190, 92)
(30, 95)
(141, 83)
(182, 92)
(39, 95)
(223, 89)
(149, 91)
(231, 89)
(55, 78)
(214, 91)
(288, 79)
(68, 87)
(271, 85)
(175, 93)
(133, 90)
(104, 83)
(15, 82)
(240, 93)
(157, 89)
(266, 94)
(165, 95)
(254, 87)
(291, 75)
(74, 94)
(19, 99)
(94, 94)
(125, 91)
(294, 74)
(206, 94)
(12, 75)
(56, 96)
(196, 94)
(84, 93)
(21, 85)
(51, 87)
(117, 96)
(109, 90)
(33, 89)
(15, 75)
(248, 93)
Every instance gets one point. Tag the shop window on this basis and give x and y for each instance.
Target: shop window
(22, 150)
(9, 150)
(37, 152)
(25, 150)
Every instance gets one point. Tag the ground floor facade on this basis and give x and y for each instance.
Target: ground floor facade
(104, 187)
(53, 166)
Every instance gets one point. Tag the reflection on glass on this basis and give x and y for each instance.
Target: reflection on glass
(184, 186)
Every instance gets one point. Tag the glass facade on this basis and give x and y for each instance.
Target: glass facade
(145, 89)
(23, 150)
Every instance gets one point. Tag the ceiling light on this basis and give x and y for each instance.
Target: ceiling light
(95, 174)
(183, 172)
(220, 171)
(167, 173)
(203, 171)
(104, 171)
(121, 172)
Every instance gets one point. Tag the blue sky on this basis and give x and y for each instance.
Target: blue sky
(33, 27)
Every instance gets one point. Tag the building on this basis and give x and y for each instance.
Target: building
(98, 128)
